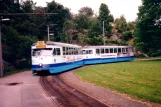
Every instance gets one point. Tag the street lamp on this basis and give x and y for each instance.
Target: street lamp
(1, 60)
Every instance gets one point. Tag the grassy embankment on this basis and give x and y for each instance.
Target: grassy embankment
(137, 78)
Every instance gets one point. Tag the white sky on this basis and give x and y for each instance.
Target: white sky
(128, 8)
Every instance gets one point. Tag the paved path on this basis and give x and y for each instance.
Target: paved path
(28, 93)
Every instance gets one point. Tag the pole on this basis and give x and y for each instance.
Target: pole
(103, 33)
(48, 33)
(1, 62)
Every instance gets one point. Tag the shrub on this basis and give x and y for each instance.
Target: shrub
(126, 35)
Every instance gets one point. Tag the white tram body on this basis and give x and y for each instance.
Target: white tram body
(55, 57)
(105, 54)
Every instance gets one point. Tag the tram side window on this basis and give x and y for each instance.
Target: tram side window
(88, 51)
(127, 50)
(119, 50)
(111, 50)
(77, 51)
(123, 50)
(97, 51)
(69, 51)
(102, 51)
(64, 52)
(115, 50)
(80, 52)
(106, 50)
(56, 51)
(74, 51)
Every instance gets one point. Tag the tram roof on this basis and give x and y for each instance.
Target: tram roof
(105, 46)
(58, 44)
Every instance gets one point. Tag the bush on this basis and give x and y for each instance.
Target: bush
(112, 42)
(16, 46)
(95, 41)
(23, 64)
(155, 53)
(123, 43)
(126, 35)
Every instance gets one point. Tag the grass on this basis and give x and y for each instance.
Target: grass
(138, 78)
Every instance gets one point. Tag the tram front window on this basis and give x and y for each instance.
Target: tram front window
(42, 52)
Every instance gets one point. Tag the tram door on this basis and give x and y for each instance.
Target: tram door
(57, 55)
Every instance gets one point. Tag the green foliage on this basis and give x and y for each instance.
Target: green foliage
(68, 28)
(104, 15)
(95, 41)
(82, 22)
(121, 24)
(109, 42)
(123, 43)
(131, 26)
(9, 6)
(28, 6)
(147, 32)
(154, 53)
(62, 15)
(82, 39)
(95, 28)
(126, 35)
(22, 30)
(24, 64)
(111, 18)
(15, 46)
(86, 11)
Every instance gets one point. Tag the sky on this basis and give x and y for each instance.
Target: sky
(128, 8)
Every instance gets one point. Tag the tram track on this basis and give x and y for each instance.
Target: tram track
(64, 95)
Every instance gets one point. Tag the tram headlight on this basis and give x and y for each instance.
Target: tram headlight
(40, 65)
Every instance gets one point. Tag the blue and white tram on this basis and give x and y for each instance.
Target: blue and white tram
(105, 54)
(55, 57)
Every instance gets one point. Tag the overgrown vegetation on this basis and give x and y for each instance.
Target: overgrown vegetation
(138, 78)
(148, 28)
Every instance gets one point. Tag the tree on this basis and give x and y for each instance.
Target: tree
(95, 29)
(8, 6)
(104, 15)
(24, 23)
(86, 11)
(131, 26)
(111, 18)
(82, 22)
(121, 24)
(68, 28)
(148, 32)
(62, 15)
(127, 35)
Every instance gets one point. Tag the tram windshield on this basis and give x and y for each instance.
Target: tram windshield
(42, 52)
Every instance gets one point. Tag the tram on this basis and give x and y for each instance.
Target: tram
(106, 54)
(55, 57)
